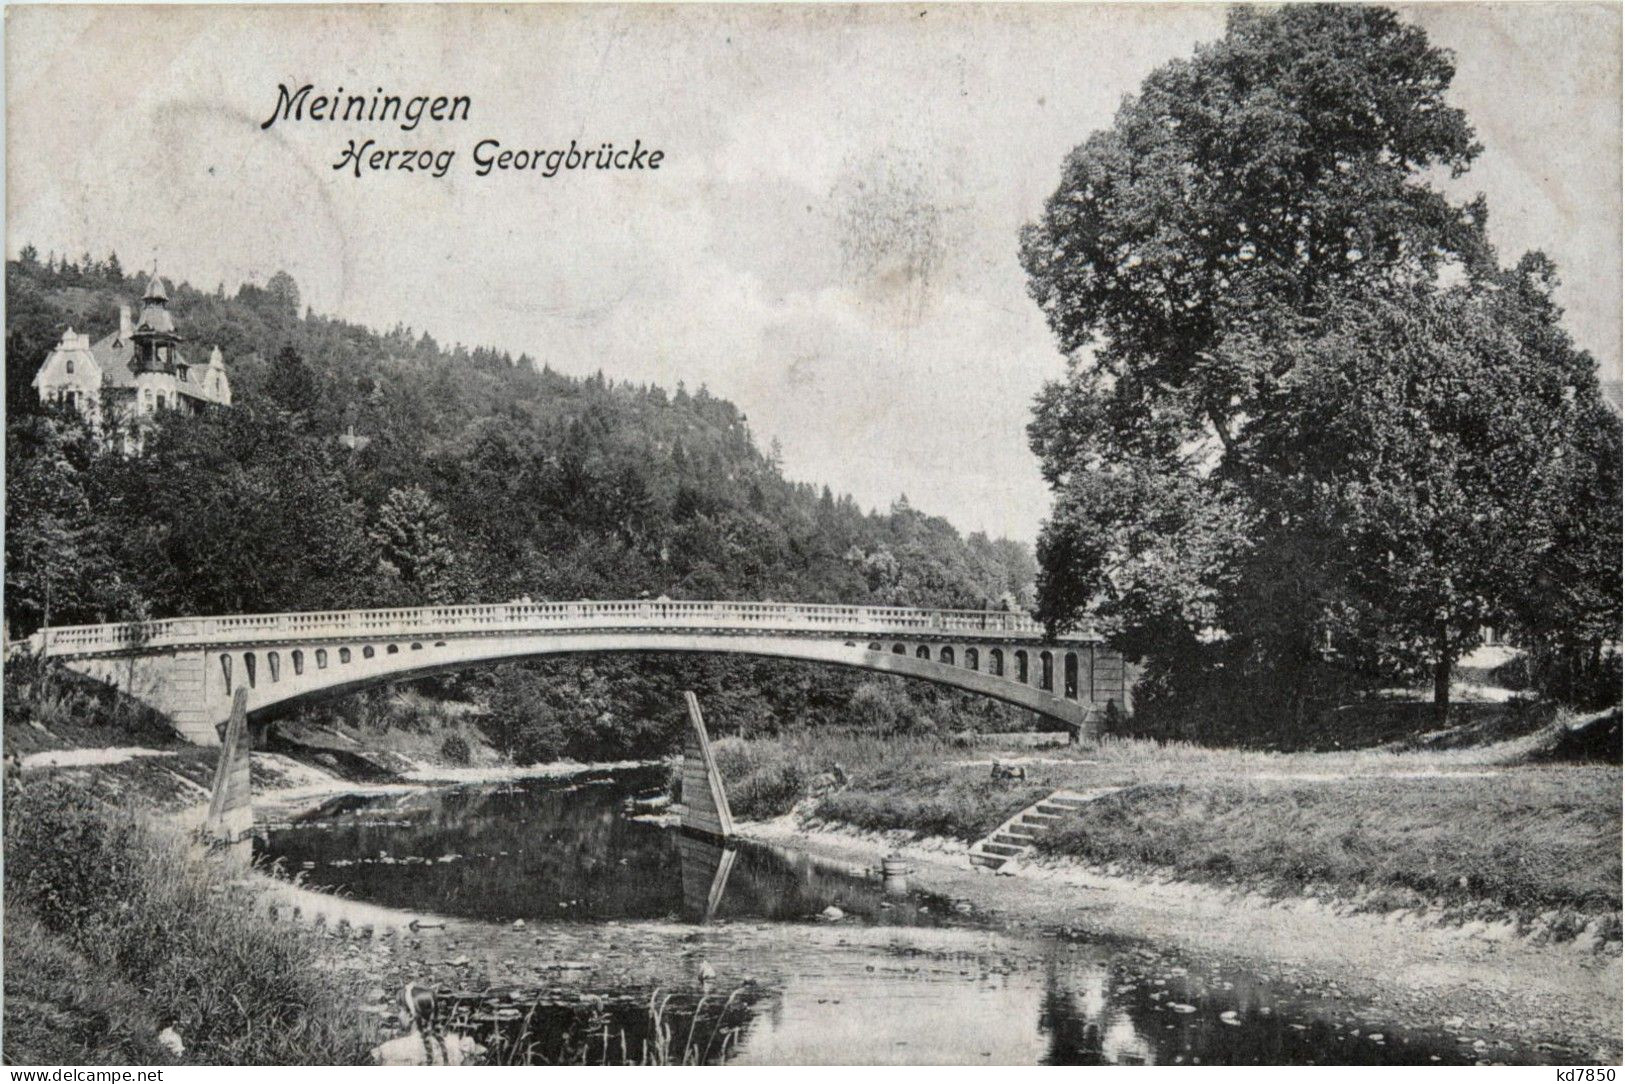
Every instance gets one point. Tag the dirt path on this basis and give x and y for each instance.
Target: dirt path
(1473, 980)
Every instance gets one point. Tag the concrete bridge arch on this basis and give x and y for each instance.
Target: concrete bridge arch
(190, 667)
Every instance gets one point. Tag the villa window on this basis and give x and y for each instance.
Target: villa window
(70, 366)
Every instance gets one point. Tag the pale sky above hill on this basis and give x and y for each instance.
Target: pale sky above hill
(830, 241)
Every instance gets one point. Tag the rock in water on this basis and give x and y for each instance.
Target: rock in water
(518, 923)
(170, 1040)
(708, 974)
(832, 913)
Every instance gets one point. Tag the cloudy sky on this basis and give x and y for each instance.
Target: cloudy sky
(831, 239)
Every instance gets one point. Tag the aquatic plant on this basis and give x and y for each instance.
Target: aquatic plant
(666, 1031)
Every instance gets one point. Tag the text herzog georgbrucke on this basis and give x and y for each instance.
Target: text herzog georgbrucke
(360, 155)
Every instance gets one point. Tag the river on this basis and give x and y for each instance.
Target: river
(750, 954)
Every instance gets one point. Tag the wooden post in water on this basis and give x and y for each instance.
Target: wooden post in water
(705, 803)
(231, 808)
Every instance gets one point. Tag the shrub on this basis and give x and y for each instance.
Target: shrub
(764, 778)
(455, 749)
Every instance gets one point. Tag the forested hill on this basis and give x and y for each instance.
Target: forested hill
(477, 477)
(361, 468)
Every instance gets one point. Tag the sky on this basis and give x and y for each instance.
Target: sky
(830, 241)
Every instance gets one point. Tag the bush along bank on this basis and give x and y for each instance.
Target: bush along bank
(115, 904)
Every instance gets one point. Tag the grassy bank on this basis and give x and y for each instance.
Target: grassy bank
(1529, 840)
(116, 927)
(1492, 830)
(868, 781)
(48, 707)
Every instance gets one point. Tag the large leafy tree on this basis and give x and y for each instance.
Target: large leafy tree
(1239, 194)
(1424, 451)
(1274, 323)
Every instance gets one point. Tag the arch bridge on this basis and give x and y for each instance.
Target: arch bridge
(189, 667)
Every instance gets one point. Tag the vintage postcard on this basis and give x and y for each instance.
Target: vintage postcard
(794, 534)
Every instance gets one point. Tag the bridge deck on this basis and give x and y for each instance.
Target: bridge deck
(520, 617)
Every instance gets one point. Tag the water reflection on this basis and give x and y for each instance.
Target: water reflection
(903, 978)
(706, 866)
(564, 851)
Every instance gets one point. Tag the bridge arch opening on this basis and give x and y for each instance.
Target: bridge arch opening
(313, 687)
(995, 661)
(273, 663)
(321, 658)
(344, 654)
(899, 649)
(297, 657)
(1021, 666)
(973, 659)
(1070, 670)
(248, 667)
(225, 668)
(1046, 673)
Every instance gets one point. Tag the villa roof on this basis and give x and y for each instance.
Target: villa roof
(115, 357)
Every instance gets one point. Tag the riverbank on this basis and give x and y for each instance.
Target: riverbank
(1424, 961)
(119, 927)
(1502, 833)
(1482, 984)
(1343, 954)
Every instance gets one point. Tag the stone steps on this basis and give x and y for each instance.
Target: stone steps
(1017, 836)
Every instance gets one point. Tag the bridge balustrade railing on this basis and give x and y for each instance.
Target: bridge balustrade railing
(520, 616)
